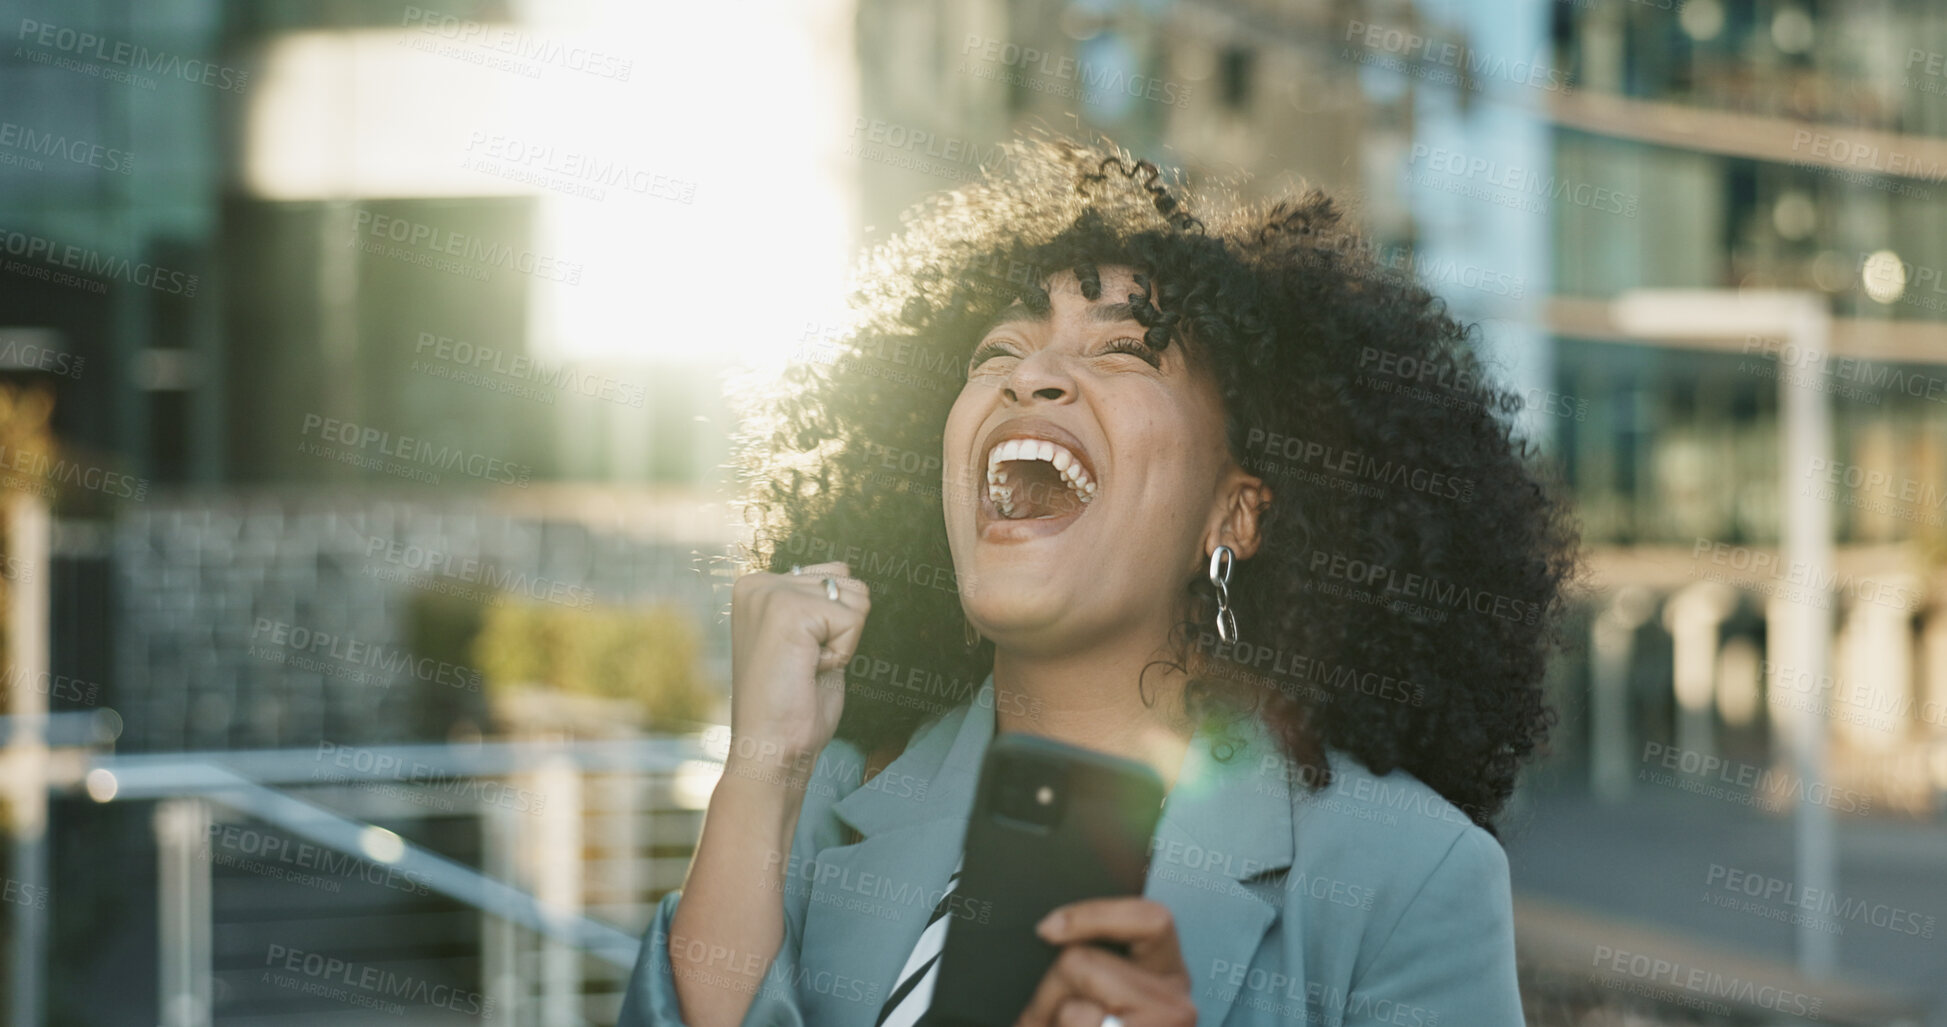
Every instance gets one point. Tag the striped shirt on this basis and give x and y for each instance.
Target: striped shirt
(914, 992)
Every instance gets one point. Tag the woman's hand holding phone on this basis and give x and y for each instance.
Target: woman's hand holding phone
(1150, 987)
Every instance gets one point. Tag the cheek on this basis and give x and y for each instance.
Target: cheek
(1174, 426)
(1203, 429)
(962, 420)
(1182, 447)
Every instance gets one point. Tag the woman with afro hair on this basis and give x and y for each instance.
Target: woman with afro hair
(1150, 471)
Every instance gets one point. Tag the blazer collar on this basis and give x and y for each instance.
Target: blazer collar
(1232, 802)
(871, 898)
(1237, 806)
(1220, 857)
(946, 755)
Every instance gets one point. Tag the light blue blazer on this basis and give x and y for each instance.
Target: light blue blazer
(1371, 901)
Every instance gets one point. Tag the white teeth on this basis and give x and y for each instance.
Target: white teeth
(1066, 465)
(1003, 499)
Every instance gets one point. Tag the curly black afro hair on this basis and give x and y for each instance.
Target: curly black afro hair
(1413, 571)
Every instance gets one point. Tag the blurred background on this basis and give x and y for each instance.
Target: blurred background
(362, 428)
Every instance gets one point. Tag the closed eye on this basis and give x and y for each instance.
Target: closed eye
(1134, 347)
(987, 351)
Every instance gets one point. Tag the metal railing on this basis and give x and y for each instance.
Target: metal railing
(191, 789)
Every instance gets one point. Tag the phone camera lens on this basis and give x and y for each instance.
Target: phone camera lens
(1029, 793)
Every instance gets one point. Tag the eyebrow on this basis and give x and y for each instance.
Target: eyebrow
(1100, 313)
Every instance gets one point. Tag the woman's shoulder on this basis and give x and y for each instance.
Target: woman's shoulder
(1390, 824)
(1385, 857)
(1406, 902)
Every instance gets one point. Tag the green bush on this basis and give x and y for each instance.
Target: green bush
(646, 654)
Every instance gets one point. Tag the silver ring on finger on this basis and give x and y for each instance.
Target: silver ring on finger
(831, 590)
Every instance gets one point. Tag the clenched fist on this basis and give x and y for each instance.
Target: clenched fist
(789, 643)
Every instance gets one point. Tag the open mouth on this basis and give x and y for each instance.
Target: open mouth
(1032, 479)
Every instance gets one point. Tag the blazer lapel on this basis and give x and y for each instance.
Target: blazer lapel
(870, 900)
(1226, 827)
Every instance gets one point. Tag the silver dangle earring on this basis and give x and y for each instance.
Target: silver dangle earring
(973, 637)
(1220, 563)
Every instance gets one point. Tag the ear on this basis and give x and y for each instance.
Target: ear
(1242, 499)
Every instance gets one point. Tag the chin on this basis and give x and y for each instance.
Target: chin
(1028, 608)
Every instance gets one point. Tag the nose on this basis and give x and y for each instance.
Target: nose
(1043, 375)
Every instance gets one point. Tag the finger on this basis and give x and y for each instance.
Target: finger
(832, 679)
(1080, 1012)
(1047, 1001)
(851, 591)
(1146, 926)
(1084, 973)
(840, 640)
(838, 625)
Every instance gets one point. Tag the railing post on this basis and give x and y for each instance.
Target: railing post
(1805, 643)
(1611, 741)
(500, 938)
(1693, 616)
(24, 760)
(558, 850)
(183, 921)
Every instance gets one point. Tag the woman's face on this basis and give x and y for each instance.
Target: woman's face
(1086, 475)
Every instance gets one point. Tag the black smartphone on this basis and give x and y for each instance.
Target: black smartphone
(1052, 824)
